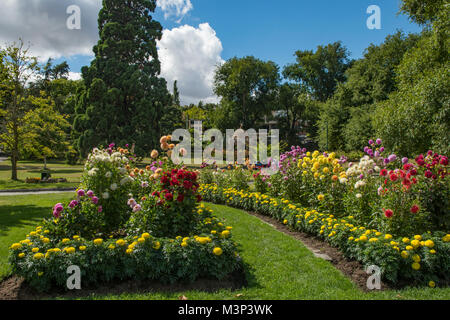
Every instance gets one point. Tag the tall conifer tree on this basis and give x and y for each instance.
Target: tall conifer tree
(123, 96)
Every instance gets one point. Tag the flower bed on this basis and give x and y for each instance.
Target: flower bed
(128, 223)
(417, 259)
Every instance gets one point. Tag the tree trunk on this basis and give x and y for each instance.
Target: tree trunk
(14, 166)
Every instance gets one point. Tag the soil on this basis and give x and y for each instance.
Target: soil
(15, 288)
(350, 268)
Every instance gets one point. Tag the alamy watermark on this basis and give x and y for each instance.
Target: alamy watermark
(74, 280)
(238, 142)
(374, 20)
(73, 22)
(374, 280)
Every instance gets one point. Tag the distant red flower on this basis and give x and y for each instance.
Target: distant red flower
(415, 208)
(180, 198)
(187, 184)
(168, 196)
(388, 213)
(199, 198)
(406, 182)
(393, 177)
(164, 179)
(383, 172)
(428, 174)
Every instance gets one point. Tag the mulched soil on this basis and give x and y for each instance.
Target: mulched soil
(351, 268)
(15, 288)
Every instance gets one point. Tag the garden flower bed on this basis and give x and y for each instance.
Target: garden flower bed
(385, 210)
(420, 258)
(128, 223)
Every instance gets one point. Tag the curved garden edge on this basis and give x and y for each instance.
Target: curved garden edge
(241, 201)
(353, 269)
(16, 288)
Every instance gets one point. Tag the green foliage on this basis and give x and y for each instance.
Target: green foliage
(417, 117)
(320, 71)
(423, 11)
(247, 87)
(359, 128)
(46, 127)
(16, 69)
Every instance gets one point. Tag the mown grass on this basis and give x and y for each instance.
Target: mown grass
(18, 216)
(32, 169)
(280, 267)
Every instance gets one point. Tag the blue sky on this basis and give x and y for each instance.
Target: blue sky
(274, 30)
(200, 34)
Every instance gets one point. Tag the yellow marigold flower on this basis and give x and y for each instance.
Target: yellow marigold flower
(373, 239)
(65, 240)
(45, 240)
(184, 244)
(229, 228)
(225, 233)
(98, 241)
(388, 236)
(21, 255)
(363, 238)
(34, 250)
(217, 251)
(16, 246)
(320, 197)
(431, 284)
(285, 221)
(213, 231)
(157, 245)
(416, 266)
(405, 240)
(416, 258)
(429, 243)
(141, 240)
(432, 251)
(405, 254)
(146, 235)
(129, 251)
(111, 246)
(40, 274)
(38, 256)
(415, 243)
(326, 170)
(418, 237)
(82, 248)
(446, 238)
(120, 242)
(70, 250)
(351, 238)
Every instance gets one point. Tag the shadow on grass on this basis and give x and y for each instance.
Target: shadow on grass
(12, 216)
(15, 287)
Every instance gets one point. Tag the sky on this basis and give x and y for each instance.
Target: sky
(198, 35)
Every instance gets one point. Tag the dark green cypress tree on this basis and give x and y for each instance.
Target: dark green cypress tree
(123, 97)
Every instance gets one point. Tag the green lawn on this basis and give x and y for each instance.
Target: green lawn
(280, 266)
(31, 169)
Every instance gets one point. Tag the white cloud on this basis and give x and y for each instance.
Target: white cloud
(42, 23)
(175, 8)
(74, 75)
(191, 55)
(188, 54)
